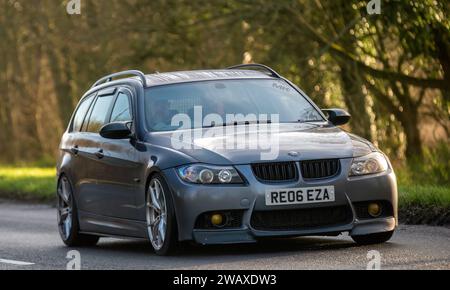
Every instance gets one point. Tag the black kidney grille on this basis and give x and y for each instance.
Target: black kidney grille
(275, 171)
(319, 168)
(298, 219)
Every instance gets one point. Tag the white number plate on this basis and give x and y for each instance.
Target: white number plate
(300, 195)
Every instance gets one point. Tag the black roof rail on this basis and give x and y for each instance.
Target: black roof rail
(109, 78)
(257, 66)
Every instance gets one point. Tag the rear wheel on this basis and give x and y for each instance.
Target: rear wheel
(372, 239)
(68, 217)
(161, 221)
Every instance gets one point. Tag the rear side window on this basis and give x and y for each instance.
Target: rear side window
(81, 113)
(121, 111)
(99, 113)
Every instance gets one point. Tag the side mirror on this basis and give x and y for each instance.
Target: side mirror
(116, 130)
(337, 117)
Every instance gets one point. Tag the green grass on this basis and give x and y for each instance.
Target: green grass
(427, 195)
(39, 184)
(425, 183)
(27, 183)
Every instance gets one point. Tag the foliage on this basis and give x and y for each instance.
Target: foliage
(424, 195)
(434, 168)
(424, 188)
(391, 71)
(28, 183)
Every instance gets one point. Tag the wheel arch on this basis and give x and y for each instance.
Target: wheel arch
(157, 171)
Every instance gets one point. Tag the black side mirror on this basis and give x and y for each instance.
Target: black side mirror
(116, 130)
(337, 117)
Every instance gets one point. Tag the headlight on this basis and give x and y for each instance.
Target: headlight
(370, 164)
(209, 174)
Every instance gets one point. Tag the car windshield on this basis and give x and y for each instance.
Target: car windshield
(261, 97)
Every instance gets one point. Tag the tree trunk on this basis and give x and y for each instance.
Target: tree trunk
(410, 124)
(443, 53)
(24, 138)
(355, 101)
(351, 82)
(60, 76)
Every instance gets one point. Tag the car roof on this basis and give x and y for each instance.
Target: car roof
(158, 79)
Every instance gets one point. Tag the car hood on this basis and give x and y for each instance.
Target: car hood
(305, 141)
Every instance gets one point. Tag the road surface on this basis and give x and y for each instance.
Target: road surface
(29, 240)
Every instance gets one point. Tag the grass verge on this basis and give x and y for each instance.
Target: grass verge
(418, 204)
(424, 204)
(25, 183)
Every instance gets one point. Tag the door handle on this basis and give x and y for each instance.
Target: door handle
(99, 154)
(74, 150)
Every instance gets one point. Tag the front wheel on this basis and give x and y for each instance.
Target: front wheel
(161, 221)
(372, 239)
(68, 217)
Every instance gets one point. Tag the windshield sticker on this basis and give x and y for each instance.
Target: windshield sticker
(281, 87)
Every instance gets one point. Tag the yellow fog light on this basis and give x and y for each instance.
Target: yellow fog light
(374, 209)
(217, 219)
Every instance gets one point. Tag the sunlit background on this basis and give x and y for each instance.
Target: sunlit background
(391, 71)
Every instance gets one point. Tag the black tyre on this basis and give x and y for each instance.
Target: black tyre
(372, 239)
(68, 225)
(161, 220)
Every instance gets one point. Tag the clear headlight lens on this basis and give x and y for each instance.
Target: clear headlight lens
(209, 174)
(370, 164)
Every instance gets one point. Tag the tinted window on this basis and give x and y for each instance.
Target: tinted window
(99, 113)
(81, 113)
(235, 97)
(121, 111)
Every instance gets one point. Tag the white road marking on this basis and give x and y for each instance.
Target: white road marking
(18, 263)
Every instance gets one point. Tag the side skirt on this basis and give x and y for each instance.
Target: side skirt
(111, 227)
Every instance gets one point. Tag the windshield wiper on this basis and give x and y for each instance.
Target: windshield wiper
(246, 123)
(307, 121)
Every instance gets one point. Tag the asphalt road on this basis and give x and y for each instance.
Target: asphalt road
(29, 240)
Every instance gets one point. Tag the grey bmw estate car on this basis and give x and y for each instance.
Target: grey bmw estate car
(186, 156)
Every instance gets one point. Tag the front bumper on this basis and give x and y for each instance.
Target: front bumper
(191, 200)
(248, 236)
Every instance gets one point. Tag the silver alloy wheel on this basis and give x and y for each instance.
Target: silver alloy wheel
(156, 214)
(64, 208)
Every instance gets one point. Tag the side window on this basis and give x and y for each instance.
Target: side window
(121, 111)
(81, 113)
(99, 113)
